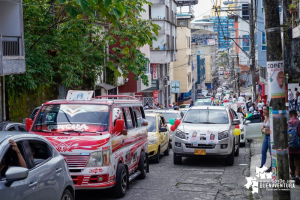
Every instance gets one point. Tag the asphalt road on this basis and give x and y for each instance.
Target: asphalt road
(197, 178)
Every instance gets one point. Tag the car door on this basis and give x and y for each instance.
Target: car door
(47, 169)
(26, 189)
(253, 127)
(163, 134)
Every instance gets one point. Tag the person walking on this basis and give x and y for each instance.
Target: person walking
(293, 132)
(266, 145)
(290, 98)
(260, 106)
(297, 94)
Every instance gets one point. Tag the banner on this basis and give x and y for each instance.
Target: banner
(154, 71)
(155, 96)
(276, 79)
(210, 41)
(175, 86)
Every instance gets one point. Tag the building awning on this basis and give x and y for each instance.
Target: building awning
(106, 86)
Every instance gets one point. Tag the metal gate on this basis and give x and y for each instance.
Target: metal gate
(148, 100)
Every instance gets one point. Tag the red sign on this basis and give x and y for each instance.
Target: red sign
(154, 68)
(155, 96)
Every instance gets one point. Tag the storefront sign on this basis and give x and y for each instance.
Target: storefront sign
(155, 96)
(211, 41)
(276, 79)
(261, 88)
(175, 86)
(154, 71)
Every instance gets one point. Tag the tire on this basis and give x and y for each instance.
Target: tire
(67, 195)
(237, 152)
(167, 151)
(230, 158)
(157, 157)
(120, 188)
(177, 160)
(142, 167)
(243, 144)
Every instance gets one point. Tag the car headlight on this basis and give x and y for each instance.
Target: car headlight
(180, 134)
(98, 159)
(223, 135)
(152, 140)
(243, 129)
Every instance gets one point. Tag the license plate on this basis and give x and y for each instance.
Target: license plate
(200, 152)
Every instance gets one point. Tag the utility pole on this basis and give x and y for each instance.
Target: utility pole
(238, 61)
(276, 86)
(252, 51)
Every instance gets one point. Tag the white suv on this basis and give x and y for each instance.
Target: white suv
(207, 130)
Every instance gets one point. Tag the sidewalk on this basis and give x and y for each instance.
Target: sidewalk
(265, 194)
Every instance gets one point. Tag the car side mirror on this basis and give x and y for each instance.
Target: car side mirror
(28, 124)
(15, 174)
(163, 129)
(119, 125)
(236, 122)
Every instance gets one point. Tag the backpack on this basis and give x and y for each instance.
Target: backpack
(293, 136)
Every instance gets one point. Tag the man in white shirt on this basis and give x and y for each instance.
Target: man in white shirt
(242, 99)
(251, 109)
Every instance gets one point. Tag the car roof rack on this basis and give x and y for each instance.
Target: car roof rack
(116, 96)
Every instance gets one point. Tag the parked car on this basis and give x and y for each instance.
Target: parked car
(207, 130)
(104, 141)
(169, 114)
(12, 126)
(158, 136)
(46, 177)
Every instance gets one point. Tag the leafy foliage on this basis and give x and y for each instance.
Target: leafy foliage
(66, 42)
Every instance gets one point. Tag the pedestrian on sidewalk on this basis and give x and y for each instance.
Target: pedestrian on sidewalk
(290, 99)
(293, 141)
(252, 108)
(297, 94)
(266, 145)
(260, 106)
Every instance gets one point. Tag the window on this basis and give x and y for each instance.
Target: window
(128, 119)
(162, 122)
(167, 13)
(151, 124)
(245, 12)
(22, 129)
(167, 45)
(263, 42)
(150, 12)
(10, 158)
(12, 128)
(138, 115)
(246, 43)
(254, 118)
(40, 152)
(205, 116)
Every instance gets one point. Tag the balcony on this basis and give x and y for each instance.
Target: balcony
(163, 56)
(186, 2)
(12, 59)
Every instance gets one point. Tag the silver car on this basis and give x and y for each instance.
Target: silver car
(206, 130)
(46, 175)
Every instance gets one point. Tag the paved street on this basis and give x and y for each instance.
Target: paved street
(204, 178)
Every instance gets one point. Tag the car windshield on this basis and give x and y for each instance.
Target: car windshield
(206, 116)
(184, 106)
(72, 117)
(151, 124)
(169, 116)
(203, 103)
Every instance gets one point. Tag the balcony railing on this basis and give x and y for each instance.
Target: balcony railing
(11, 46)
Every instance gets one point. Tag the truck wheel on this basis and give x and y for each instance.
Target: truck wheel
(122, 181)
(230, 158)
(237, 152)
(142, 167)
(156, 159)
(167, 151)
(177, 160)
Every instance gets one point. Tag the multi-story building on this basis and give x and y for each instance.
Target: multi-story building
(183, 69)
(205, 46)
(162, 52)
(12, 52)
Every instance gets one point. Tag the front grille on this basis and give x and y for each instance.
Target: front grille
(76, 161)
(200, 146)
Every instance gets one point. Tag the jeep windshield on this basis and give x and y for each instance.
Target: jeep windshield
(206, 116)
(72, 118)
